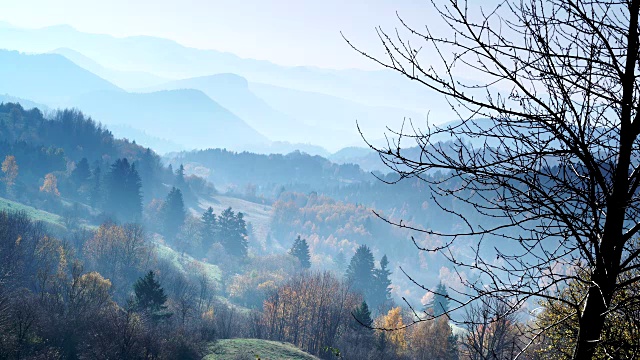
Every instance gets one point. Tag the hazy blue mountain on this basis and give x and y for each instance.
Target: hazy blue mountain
(349, 154)
(232, 91)
(48, 78)
(56, 81)
(26, 104)
(285, 147)
(169, 59)
(124, 79)
(141, 137)
(187, 117)
(336, 116)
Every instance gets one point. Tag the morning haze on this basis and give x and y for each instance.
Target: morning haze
(319, 180)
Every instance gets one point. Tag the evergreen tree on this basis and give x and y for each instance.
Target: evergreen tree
(240, 244)
(123, 192)
(382, 291)
(134, 191)
(180, 182)
(362, 320)
(233, 232)
(300, 250)
(440, 302)
(209, 225)
(81, 173)
(452, 347)
(147, 166)
(95, 195)
(360, 271)
(173, 213)
(150, 295)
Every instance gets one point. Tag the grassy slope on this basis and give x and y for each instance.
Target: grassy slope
(33, 213)
(187, 264)
(231, 349)
(259, 215)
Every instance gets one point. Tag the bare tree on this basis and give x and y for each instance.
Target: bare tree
(489, 333)
(545, 155)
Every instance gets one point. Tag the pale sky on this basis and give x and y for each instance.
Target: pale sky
(287, 32)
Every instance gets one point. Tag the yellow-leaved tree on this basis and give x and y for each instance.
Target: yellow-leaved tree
(559, 320)
(397, 335)
(50, 185)
(433, 339)
(10, 170)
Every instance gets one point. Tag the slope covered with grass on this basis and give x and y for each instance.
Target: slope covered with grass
(33, 213)
(232, 349)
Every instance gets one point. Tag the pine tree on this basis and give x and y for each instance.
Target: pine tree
(95, 196)
(81, 173)
(209, 228)
(382, 290)
(134, 194)
(362, 320)
(300, 250)
(147, 166)
(150, 295)
(123, 191)
(440, 303)
(240, 245)
(233, 232)
(180, 182)
(173, 213)
(360, 271)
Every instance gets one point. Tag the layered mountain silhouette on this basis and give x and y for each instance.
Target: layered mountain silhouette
(187, 117)
(47, 78)
(168, 59)
(295, 107)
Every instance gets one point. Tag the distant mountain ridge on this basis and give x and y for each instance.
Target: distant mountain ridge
(186, 117)
(169, 59)
(55, 81)
(124, 79)
(48, 78)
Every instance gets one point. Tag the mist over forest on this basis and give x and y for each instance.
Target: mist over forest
(467, 195)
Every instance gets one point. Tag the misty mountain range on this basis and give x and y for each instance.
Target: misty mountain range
(228, 102)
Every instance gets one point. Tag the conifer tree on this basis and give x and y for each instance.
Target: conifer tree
(239, 243)
(360, 271)
(147, 166)
(233, 232)
(95, 196)
(382, 290)
(440, 302)
(81, 173)
(123, 191)
(173, 213)
(300, 250)
(209, 225)
(362, 320)
(180, 182)
(150, 296)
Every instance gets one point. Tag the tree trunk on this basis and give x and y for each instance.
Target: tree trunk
(591, 323)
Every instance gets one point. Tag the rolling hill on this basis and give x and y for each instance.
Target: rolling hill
(168, 59)
(55, 81)
(124, 79)
(232, 91)
(48, 78)
(187, 117)
(231, 349)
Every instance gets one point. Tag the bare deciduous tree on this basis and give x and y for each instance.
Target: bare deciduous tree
(545, 154)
